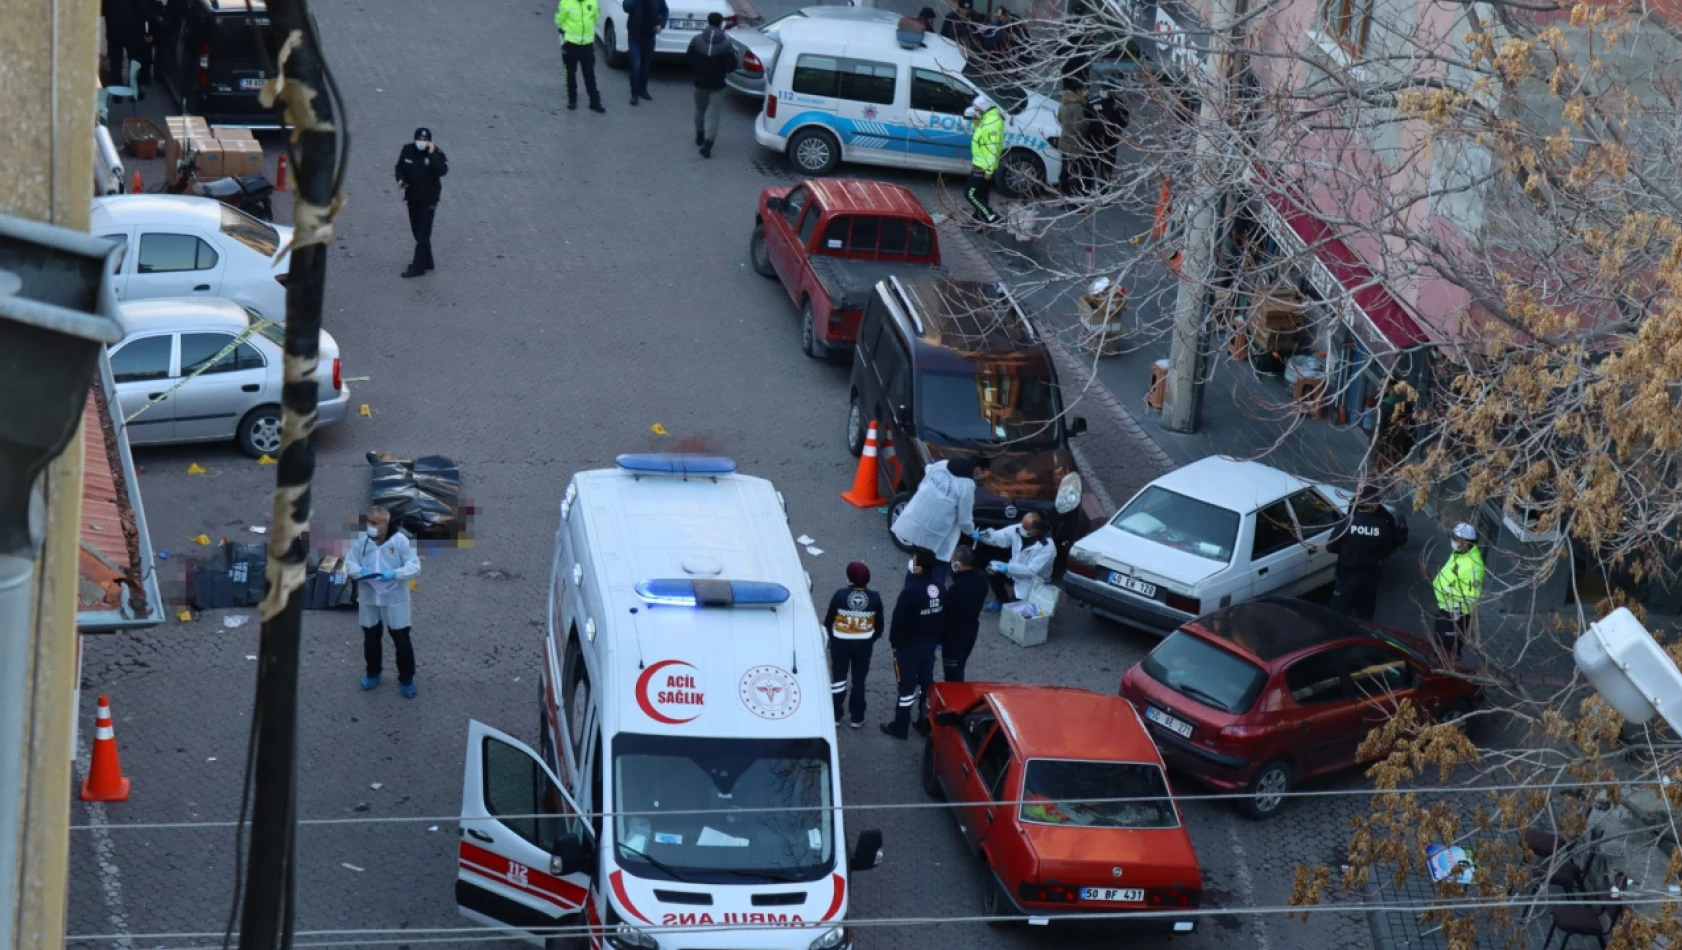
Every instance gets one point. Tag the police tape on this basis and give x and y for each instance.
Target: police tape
(204, 366)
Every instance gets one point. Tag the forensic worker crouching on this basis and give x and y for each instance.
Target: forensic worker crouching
(382, 561)
(1032, 556)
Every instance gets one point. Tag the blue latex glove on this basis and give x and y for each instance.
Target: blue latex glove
(997, 567)
(975, 537)
(388, 575)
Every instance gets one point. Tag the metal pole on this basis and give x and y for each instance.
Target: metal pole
(303, 89)
(1182, 407)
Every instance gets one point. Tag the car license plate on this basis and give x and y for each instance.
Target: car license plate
(1171, 723)
(678, 23)
(251, 83)
(1133, 584)
(1115, 895)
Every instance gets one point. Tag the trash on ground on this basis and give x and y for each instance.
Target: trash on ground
(376, 785)
(350, 866)
(184, 615)
(658, 429)
(813, 551)
(433, 828)
(236, 620)
(806, 539)
(201, 539)
(251, 656)
(163, 555)
(259, 529)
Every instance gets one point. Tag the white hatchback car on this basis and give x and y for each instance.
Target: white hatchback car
(184, 246)
(235, 397)
(685, 19)
(1214, 533)
(756, 47)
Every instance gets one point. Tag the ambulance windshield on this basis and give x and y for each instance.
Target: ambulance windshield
(723, 810)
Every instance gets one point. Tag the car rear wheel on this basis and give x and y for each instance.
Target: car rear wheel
(610, 46)
(1021, 174)
(855, 428)
(993, 902)
(1454, 712)
(259, 432)
(809, 341)
(814, 151)
(1267, 791)
(895, 508)
(760, 255)
(931, 775)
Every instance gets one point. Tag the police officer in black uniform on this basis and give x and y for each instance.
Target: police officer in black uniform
(855, 621)
(913, 634)
(966, 594)
(419, 167)
(1362, 542)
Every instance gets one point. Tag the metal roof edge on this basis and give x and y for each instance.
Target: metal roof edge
(102, 621)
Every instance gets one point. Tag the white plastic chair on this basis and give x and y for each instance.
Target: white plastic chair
(132, 91)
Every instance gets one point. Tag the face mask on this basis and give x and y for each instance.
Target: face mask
(970, 113)
(421, 144)
(374, 531)
(911, 565)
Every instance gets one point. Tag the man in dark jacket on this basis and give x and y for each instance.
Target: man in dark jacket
(129, 29)
(712, 59)
(963, 24)
(419, 167)
(643, 20)
(1367, 537)
(854, 622)
(914, 633)
(965, 596)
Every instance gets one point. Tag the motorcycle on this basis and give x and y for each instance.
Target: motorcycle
(248, 193)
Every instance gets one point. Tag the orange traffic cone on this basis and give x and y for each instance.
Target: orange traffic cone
(136, 187)
(864, 492)
(891, 454)
(280, 174)
(105, 782)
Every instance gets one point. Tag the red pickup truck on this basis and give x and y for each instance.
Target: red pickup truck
(830, 241)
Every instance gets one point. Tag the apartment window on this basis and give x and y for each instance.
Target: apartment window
(1346, 21)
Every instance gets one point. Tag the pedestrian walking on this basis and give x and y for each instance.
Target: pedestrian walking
(941, 511)
(1362, 543)
(855, 622)
(129, 28)
(961, 610)
(914, 633)
(1103, 136)
(420, 166)
(986, 148)
(382, 563)
(1458, 588)
(1074, 119)
(575, 21)
(712, 59)
(1032, 556)
(644, 20)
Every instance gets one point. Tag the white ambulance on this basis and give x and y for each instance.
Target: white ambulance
(687, 791)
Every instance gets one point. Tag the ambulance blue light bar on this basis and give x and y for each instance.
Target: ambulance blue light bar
(674, 463)
(683, 592)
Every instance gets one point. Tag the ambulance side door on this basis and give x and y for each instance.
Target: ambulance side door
(519, 832)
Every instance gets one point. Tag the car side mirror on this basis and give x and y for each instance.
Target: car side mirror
(947, 717)
(867, 853)
(573, 855)
(773, 204)
(902, 420)
(1077, 425)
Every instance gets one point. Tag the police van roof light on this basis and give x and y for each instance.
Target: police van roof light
(683, 592)
(674, 463)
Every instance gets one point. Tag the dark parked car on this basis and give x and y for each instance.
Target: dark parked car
(1268, 693)
(952, 369)
(215, 56)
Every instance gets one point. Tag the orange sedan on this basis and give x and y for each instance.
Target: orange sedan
(1064, 796)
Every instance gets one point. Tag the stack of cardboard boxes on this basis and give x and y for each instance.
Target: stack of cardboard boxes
(219, 151)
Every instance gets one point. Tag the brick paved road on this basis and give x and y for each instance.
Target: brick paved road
(592, 281)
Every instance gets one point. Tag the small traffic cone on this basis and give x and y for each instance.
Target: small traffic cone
(864, 491)
(135, 187)
(892, 455)
(280, 173)
(105, 781)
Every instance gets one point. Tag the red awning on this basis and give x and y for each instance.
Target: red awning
(1385, 312)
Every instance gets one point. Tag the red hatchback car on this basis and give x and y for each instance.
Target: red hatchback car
(1268, 693)
(1028, 769)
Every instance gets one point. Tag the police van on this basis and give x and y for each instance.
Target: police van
(686, 789)
(844, 90)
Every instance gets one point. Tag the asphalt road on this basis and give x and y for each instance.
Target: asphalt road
(592, 282)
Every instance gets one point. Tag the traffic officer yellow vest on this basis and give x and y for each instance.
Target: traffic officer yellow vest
(987, 142)
(1459, 584)
(576, 19)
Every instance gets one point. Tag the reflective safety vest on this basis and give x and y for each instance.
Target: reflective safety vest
(1459, 584)
(576, 19)
(987, 142)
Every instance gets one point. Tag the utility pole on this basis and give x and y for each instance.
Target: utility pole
(302, 87)
(1182, 406)
(48, 54)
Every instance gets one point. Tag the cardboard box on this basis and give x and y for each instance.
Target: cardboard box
(228, 133)
(178, 130)
(241, 156)
(209, 153)
(1025, 631)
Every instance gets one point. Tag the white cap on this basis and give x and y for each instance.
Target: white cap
(1465, 532)
(981, 103)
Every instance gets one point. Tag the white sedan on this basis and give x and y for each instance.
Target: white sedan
(685, 19)
(191, 370)
(185, 246)
(1214, 533)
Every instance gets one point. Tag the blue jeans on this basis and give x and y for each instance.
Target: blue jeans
(642, 57)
